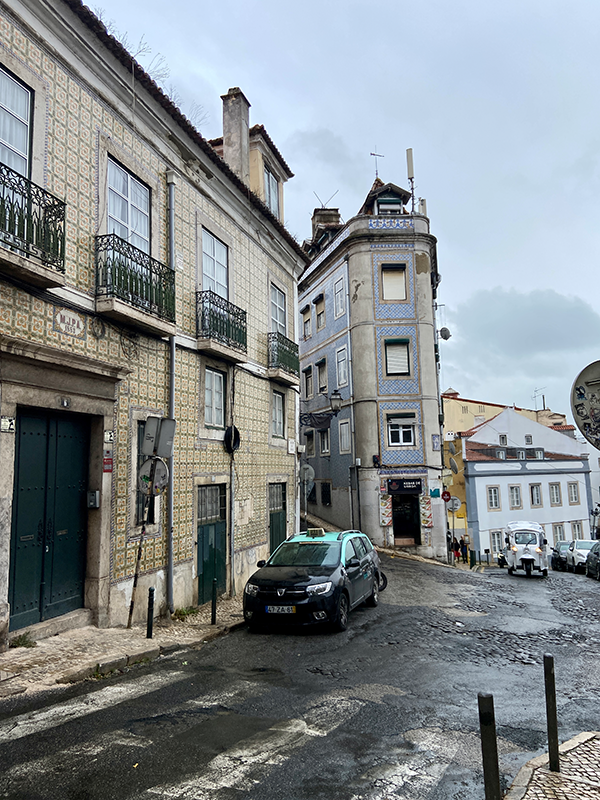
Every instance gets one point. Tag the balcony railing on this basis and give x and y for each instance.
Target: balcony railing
(32, 221)
(283, 354)
(131, 275)
(217, 318)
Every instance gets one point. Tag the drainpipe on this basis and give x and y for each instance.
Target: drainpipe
(171, 183)
(351, 389)
(232, 591)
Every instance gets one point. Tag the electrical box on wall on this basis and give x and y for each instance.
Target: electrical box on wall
(93, 499)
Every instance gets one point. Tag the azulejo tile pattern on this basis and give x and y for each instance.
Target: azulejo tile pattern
(390, 253)
(401, 455)
(398, 386)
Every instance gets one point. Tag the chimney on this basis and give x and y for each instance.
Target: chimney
(236, 137)
(324, 216)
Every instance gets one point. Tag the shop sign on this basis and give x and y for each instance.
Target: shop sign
(405, 486)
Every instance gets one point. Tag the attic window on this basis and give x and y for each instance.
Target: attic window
(391, 205)
(271, 192)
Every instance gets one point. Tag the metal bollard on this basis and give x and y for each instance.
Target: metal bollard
(213, 613)
(551, 715)
(489, 747)
(150, 619)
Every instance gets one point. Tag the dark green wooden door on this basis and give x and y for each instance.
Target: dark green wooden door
(49, 517)
(277, 515)
(212, 541)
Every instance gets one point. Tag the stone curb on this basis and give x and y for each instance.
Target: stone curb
(117, 661)
(520, 785)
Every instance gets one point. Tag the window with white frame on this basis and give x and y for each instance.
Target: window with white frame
(339, 298)
(514, 496)
(128, 207)
(341, 360)
(344, 436)
(521, 455)
(271, 192)
(573, 490)
(393, 282)
(555, 497)
(214, 265)
(496, 541)
(320, 312)
(277, 419)
(307, 324)
(493, 498)
(278, 324)
(528, 438)
(214, 397)
(577, 530)
(308, 382)
(322, 376)
(15, 119)
(535, 494)
(501, 454)
(310, 443)
(401, 430)
(324, 442)
(397, 357)
(503, 439)
(558, 530)
(539, 454)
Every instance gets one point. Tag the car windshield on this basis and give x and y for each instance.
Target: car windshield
(525, 537)
(584, 545)
(306, 554)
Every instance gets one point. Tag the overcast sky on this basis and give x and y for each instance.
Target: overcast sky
(499, 102)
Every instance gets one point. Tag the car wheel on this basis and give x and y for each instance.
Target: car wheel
(598, 572)
(545, 573)
(588, 574)
(528, 569)
(373, 598)
(341, 622)
(382, 581)
(510, 570)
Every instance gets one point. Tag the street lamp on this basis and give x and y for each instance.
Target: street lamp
(336, 402)
(322, 419)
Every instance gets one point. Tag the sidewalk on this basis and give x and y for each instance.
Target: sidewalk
(578, 779)
(82, 653)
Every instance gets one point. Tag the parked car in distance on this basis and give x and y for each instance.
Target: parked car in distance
(558, 558)
(313, 577)
(592, 565)
(577, 553)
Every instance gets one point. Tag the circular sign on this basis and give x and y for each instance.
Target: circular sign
(161, 477)
(307, 473)
(585, 402)
(445, 495)
(454, 504)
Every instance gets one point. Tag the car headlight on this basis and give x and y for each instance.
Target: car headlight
(251, 589)
(319, 588)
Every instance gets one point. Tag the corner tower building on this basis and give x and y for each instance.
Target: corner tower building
(367, 303)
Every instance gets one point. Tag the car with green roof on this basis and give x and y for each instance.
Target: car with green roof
(314, 577)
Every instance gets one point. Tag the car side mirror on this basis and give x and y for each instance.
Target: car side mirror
(507, 540)
(354, 563)
(261, 563)
(545, 541)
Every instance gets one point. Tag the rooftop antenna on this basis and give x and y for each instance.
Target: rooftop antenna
(536, 394)
(324, 205)
(377, 155)
(411, 177)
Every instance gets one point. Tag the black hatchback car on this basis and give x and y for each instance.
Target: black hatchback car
(311, 578)
(592, 565)
(558, 558)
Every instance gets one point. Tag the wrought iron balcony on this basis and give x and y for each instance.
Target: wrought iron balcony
(217, 318)
(127, 273)
(32, 221)
(283, 354)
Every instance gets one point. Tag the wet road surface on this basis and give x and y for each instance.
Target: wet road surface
(386, 710)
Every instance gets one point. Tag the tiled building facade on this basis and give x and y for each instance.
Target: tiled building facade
(367, 311)
(161, 247)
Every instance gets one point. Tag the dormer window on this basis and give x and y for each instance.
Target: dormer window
(528, 438)
(391, 206)
(502, 439)
(271, 192)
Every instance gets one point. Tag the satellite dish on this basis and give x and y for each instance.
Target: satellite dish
(307, 473)
(452, 448)
(453, 466)
(445, 334)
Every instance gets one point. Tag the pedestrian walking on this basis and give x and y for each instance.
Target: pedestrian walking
(456, 549)
(463, 549)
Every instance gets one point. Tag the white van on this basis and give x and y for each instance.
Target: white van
(526, 548)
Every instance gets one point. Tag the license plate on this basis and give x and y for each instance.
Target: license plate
(280, 609)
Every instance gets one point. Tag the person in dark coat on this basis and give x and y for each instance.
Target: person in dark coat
(455, 549)
(463, 549)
